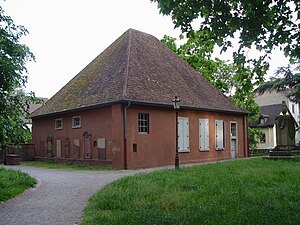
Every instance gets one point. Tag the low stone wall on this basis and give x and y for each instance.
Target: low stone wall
(1, 155)
(82, 162)
(259, 152)
(25, 151)
(12, 159)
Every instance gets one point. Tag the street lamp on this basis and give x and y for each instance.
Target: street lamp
(176, 105)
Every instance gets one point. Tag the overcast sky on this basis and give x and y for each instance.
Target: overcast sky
(65, 35)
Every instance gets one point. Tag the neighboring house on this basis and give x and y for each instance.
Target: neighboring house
(271, 105)
(118, 112)
(266, 122)
(32, 108)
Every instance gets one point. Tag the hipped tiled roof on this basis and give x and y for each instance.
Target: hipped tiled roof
(137, 67)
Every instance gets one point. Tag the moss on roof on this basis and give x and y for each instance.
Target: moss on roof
(138, 67)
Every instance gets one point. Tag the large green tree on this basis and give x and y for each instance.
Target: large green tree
(285, 79)
(241, 26)
(14, 103)
(254, 24)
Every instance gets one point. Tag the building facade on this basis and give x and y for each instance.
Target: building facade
(118, 112)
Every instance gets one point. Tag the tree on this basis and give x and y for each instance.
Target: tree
(14, 103)
(263, 24)
(286, 78)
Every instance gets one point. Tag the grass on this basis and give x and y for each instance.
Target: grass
(13, 183)
(252, 191)
(54, 165)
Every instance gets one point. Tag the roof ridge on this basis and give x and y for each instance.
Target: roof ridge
(127, 64)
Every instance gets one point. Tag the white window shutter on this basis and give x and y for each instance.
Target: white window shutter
(219, 134)
(186, 134)
(204, 134)
(183, 134)
(180, 134)
(207, 134)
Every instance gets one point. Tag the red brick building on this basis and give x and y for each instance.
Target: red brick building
(118, 112)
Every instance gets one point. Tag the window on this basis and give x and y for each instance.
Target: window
(76, 122)
(293, 108)
(143, 123)
(262, 138)
(203, 134)
(220, 135)
(134, 147)
(58, 124)
(183, 134)
(233, 128)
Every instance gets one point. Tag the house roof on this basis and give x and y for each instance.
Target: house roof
(137, 67)
(269, 112)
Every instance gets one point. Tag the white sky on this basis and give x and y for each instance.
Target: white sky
(65, 35)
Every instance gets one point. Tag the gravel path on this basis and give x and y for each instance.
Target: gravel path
(58, 199)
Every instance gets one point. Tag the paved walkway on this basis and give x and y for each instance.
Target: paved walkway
(60, 197)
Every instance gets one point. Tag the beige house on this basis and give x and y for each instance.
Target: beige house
(270, 103)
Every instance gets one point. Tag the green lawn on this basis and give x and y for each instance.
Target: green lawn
(54, 165)
(254, 191)
(13, 183)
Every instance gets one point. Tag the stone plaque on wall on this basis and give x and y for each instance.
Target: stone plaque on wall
(101, 143)
(49, 146)
(58, 148)
(76, 149)
(87, 145)
(67, 148)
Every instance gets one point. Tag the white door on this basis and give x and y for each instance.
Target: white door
(233, 148)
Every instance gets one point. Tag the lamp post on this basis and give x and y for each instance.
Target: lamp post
(176, 105)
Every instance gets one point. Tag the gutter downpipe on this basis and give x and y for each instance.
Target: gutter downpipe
(246, 138)
(125, 134)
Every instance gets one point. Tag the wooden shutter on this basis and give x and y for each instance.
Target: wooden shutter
(203, 134)
(220, 139)
(183, 134)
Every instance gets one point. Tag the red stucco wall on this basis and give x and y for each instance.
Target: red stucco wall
(96, 122)
(159, 146)
(154, 149)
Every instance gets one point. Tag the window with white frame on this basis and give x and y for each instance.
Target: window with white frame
(76, 122)
(220, 135)
(233, 129)
(203, 134)
(143, 123)
(58, 124)
(262, 138)
(183, 134)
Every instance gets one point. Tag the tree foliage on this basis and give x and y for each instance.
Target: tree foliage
(285, 79)
(14, 103)
(263, 25)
